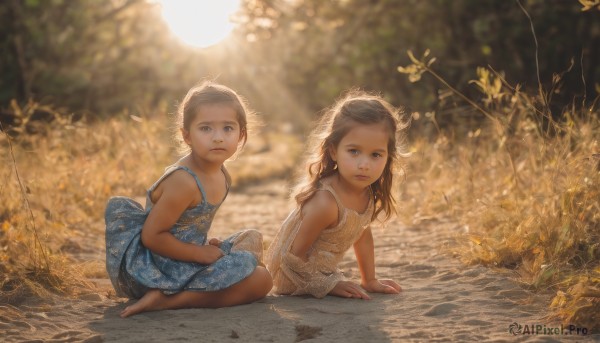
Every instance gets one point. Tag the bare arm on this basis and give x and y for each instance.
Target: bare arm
(179, 191)
(365, 256)
(319, 213)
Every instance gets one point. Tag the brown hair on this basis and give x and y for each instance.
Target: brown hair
(355, 108)
(209, 93)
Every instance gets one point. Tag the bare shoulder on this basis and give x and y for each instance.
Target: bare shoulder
(323, 206)
(180, 178)
(318, 213)
(180, 184)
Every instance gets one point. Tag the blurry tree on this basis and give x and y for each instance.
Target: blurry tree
(103, 56)
(324, 47)
(87, 55)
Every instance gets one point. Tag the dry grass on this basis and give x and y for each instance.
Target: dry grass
(525, 189)
(67, 172)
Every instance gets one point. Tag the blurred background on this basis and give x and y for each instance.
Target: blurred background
(289, 58)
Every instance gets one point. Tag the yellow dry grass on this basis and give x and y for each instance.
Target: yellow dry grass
(524, 187)
(54, 186)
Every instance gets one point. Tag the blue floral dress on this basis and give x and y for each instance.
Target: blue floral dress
(134, 269)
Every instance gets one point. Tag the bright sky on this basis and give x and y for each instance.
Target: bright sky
(199, 23)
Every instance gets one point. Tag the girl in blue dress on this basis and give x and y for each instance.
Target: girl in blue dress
(161, 254)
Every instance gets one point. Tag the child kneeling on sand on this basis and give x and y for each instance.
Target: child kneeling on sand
(348, 185)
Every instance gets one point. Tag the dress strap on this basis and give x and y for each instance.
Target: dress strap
(327, 187)
(173, 168)
(170, 170)
(370, 206)
(227, 178)
(198, 183)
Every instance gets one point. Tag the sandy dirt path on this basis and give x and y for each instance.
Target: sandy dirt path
(442, 300)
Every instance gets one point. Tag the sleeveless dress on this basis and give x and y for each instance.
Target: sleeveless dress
(134, 269)
(319, 275)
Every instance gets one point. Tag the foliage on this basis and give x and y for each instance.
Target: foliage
(51, 225)
(525, 189)
(324, 47)
(89, 56)
(102, 57)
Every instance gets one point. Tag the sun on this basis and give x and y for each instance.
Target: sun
(199, 23)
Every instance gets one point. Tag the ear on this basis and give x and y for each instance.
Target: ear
(186, 136)
(332, 152)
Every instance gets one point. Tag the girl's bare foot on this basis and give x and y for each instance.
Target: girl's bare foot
(149, 302)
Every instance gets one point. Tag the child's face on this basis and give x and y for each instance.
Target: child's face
(362, 154)
(214, 133)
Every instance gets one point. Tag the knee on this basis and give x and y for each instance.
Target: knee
(252, 235)
(262, 280)
(249, 240)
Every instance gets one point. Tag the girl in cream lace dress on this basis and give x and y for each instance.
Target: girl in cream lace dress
(348, 186)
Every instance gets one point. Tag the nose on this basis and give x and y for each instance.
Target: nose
(218, 136)
(363, 164)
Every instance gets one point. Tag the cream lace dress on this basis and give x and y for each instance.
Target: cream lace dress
(319, 275)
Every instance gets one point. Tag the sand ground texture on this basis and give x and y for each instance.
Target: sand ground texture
(442, 299)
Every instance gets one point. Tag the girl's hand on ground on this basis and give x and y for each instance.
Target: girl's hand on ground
(209, 254)
(215, 241)
(347, 289)
(382, 286)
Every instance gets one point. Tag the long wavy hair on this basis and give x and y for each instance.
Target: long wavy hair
(355, 108)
